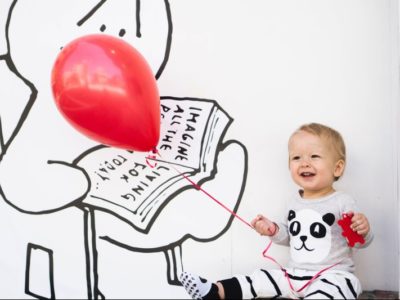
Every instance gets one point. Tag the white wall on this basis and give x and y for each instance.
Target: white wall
(398, 125)
(279, 64)
(271, 65)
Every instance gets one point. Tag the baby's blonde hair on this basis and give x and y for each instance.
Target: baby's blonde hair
(332, 136)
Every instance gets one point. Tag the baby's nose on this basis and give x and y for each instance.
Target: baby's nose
(305, 161)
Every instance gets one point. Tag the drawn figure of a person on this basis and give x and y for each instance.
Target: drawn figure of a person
(51, 232)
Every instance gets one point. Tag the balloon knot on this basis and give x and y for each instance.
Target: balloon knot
(152, 157)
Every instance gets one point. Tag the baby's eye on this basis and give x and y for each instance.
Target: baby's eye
(295, 157)
(315, 156)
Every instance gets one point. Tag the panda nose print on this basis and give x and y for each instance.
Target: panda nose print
(303, 238)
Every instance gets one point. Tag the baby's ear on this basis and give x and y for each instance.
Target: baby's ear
(339, 168)
(329, 218)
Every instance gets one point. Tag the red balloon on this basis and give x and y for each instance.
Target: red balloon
(105, 88)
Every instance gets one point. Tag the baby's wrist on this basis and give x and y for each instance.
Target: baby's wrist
(274, 230)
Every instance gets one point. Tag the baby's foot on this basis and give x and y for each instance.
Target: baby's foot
(197, 287)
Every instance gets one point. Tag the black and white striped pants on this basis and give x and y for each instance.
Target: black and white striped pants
(332, 284)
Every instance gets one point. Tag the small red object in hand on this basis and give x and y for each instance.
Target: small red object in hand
(351, 236)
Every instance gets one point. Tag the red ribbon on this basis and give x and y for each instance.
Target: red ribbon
(197, 187)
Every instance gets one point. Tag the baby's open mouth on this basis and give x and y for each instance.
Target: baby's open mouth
(307, 174)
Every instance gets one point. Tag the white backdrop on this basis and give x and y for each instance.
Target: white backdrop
(270, 65)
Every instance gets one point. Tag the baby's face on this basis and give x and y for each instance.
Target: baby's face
(313, 164)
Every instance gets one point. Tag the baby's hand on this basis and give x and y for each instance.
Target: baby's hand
(264, 226)
(360, 224)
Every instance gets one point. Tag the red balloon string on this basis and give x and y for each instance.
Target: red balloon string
(216, 200)
(198, 187)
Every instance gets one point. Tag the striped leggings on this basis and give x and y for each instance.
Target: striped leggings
(332, 284)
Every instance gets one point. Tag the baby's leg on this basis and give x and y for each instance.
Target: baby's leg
(261, 283)
(199, 288)
(342, 285)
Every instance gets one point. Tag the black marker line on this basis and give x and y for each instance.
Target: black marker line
(90, 13)
(138, 24)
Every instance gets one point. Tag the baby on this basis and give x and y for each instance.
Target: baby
(317, 158)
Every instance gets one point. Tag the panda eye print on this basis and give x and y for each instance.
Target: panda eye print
(295, 228)
(318, 230)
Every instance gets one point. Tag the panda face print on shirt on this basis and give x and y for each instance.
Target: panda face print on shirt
(310, 235)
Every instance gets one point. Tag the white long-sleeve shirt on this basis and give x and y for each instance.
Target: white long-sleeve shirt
(312, 232)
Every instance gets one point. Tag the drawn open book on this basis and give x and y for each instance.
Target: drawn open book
(124, 184)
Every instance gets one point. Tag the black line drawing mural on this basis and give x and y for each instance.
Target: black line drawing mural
(46, 263)
(72, 194)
